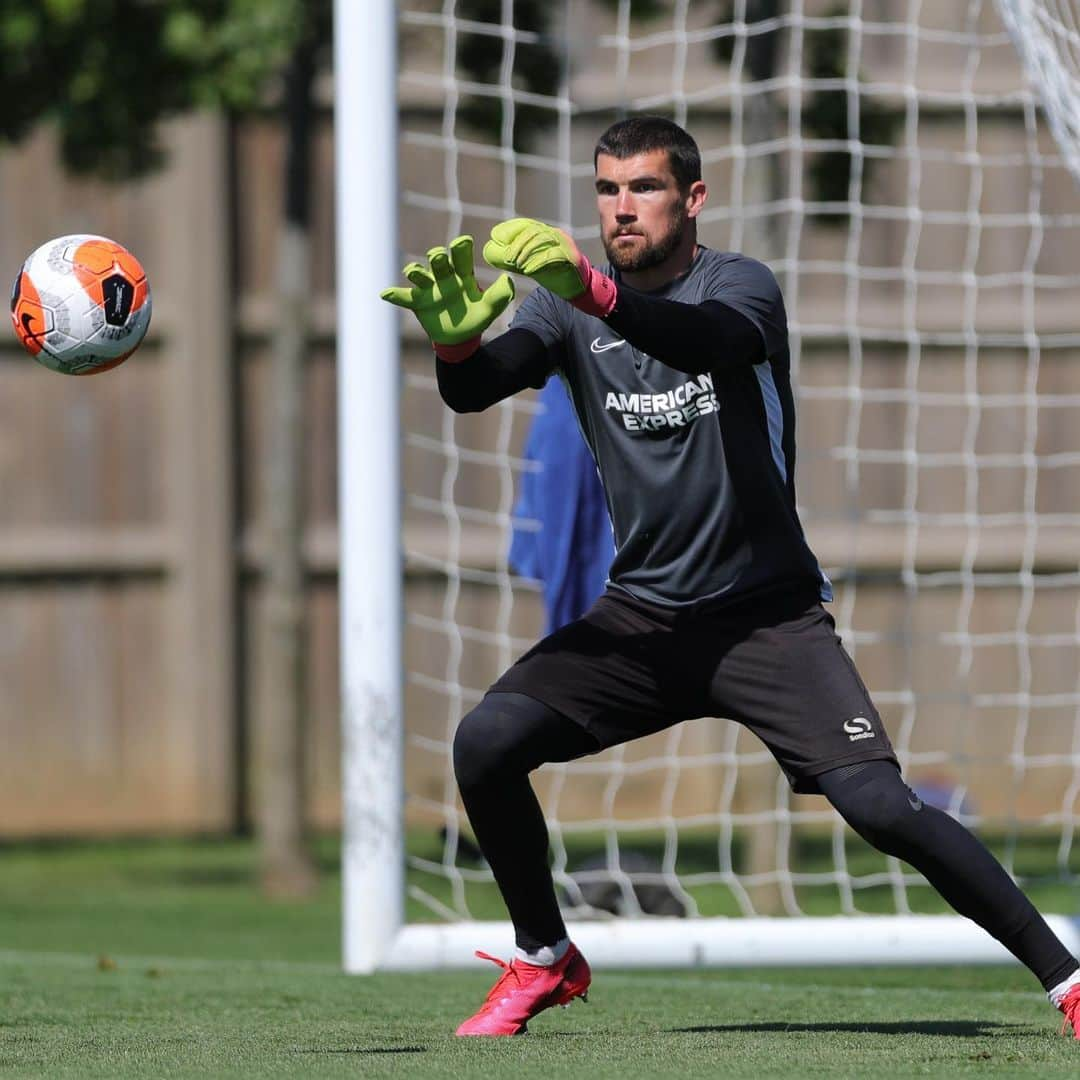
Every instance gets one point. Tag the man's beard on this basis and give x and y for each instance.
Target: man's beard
(650, 255)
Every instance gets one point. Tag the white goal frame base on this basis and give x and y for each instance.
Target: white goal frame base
(840, 941)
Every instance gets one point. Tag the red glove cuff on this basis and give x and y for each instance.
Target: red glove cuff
(600, 292)
(454, 354)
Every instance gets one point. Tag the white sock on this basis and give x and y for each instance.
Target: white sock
(546, 956)
(1057, 993)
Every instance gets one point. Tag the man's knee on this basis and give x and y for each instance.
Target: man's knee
(508, 735)
(497, 740)
(475, 756)
(874, 800)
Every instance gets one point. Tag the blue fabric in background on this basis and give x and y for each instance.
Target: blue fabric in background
(572, 551)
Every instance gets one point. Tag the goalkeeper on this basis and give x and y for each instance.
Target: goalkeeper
(676, 359)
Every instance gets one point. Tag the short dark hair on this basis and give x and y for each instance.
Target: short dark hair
(642, 134)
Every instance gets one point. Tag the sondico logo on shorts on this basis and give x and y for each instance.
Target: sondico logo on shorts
(673, 408)
(858, 728)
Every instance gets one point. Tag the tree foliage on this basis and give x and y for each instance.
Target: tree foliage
(107, 71)
(826, 114)
(537, 66)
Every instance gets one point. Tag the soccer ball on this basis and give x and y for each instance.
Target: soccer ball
(81, 304)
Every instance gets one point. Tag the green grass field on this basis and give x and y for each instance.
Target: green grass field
(149, 959)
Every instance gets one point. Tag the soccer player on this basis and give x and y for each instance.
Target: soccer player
(676, 359)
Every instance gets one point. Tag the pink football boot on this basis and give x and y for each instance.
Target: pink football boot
(523, 990)
(1070, 1006)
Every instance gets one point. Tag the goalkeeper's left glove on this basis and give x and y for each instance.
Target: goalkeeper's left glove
(552, 259)
(448, 302)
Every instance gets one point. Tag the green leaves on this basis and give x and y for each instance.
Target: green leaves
(19, 30)
(184, 34)
(109, 71)
(64, 10)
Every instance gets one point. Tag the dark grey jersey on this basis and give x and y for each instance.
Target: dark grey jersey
(698, 464)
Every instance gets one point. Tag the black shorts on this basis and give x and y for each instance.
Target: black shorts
(628, 668)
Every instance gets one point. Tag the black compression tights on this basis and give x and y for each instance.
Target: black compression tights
(496, 746)
(878, 805)
(508, 735)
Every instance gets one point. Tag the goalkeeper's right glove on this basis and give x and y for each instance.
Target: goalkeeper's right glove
(550, 257)
(448, 301)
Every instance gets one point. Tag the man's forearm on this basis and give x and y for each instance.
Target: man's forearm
(504, 366)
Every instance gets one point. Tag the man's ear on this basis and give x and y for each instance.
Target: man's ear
(696, 195)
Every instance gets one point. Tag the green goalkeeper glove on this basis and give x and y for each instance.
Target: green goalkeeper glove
(448, 302)
(552, 259)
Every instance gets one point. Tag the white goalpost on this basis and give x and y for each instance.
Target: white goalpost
(904, 168)
(369, 482)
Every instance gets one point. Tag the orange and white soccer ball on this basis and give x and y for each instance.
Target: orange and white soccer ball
(81, 304)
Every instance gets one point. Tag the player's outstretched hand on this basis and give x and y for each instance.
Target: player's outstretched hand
(539, 251)
(552, 259)
(446, 298)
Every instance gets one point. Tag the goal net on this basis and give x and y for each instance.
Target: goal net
(891, 162)
(1047, 36)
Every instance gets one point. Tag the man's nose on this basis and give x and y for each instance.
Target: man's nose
(624, 206)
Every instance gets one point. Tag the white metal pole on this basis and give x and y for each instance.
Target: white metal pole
(835, 940)
(370, 583)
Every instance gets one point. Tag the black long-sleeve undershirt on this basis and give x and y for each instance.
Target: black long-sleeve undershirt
(687, 337)
(499, 369)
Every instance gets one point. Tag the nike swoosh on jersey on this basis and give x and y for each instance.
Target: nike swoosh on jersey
(596, 347)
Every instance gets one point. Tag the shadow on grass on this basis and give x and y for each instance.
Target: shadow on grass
(965, 1029)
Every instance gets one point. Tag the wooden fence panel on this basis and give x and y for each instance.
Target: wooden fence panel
(116, 566)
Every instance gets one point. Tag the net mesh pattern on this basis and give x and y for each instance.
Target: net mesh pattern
(894, 166)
